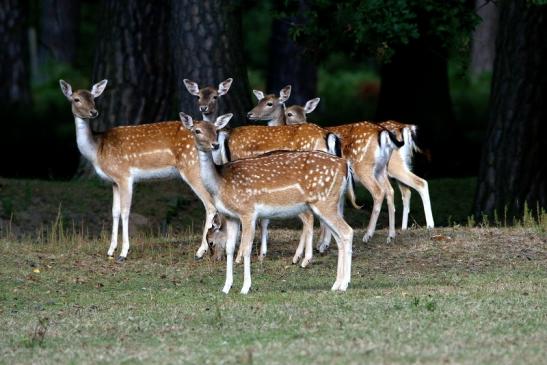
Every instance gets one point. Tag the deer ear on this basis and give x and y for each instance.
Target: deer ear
(223, 120)
(66, 88)
(98, 88)
(186, 120)
(192, 87)
(311, 105)
(224, 86)
(285, 94)
(217, 223)
(259, 94)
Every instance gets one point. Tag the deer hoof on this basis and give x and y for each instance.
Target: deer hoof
(198, 258)
(120, 259)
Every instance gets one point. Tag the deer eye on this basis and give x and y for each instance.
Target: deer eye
(215, 97)
(269, 103)
(289, 114)
(197, 131)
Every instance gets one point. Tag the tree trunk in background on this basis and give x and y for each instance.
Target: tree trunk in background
(133, 54)
(59, 29)
(513, 169)
(415, 89)
(484, 37)
(14, 54)
(288, 62)
(206, 39)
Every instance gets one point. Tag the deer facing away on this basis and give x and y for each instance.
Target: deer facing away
(280, 184)
(125, 155)
(399, 165)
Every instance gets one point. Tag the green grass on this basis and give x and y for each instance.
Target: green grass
(454, 295)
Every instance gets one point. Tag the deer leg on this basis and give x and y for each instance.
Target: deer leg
(373, 186)
(324, 239)
(405, 194)
(343, 234)
(210, 210)
(246, 245)
(388, 189)
(420, 185)
(126, 193)
(232, 228)
(306, 240)
(263, 238)
(116, 211)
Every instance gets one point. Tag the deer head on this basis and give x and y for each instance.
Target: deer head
(205, 133)
(296, 114)
(208, 96)
(270, 107)
(83, 101)
(216, 236)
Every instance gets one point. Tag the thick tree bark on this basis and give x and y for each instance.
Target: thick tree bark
(484, 37)
(206, 39)
(288, 62)
(133, 54)
(14, 54)
(415, 89)
(513, 169)
(59, 29)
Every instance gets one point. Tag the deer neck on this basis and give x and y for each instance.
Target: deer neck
(278, 119)
(209, 174)
(84, 138)
(209, 117)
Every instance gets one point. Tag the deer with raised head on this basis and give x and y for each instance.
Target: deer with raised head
(367, 149)
(208, 97)
(270, 108)
(125, 155)
(276, 185)
(399, 165)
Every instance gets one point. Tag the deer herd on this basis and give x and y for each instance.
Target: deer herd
(251, 174)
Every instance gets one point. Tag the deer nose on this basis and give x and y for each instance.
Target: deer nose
(249, 114)
(93, 113)
(215, 146)
(203, 108)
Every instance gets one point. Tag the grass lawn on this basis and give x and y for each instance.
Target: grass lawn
(452, 295)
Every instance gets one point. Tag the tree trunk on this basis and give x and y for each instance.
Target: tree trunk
(206, 39)
(513, 169)
(14, 54)
(59, 29)
(133, 54)
(484, 37)
(289, 64)
(414, 89)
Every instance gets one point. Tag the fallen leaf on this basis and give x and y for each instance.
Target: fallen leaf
(36, 271)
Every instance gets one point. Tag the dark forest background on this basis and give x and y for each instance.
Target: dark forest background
(472, 74)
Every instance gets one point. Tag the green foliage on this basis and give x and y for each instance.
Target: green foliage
(376, 27)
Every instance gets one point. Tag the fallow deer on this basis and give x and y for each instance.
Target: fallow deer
(276, 185)
(295, 114)
(399, 166)
(207, 97)
(124, 155)
(367, 147)
(270, 108)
